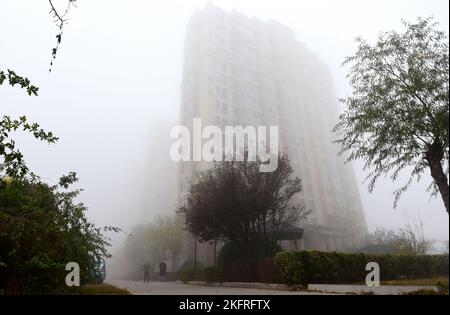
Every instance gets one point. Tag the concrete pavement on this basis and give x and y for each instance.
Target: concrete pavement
(177, 288)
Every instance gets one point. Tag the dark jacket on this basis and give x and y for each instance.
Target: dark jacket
(162, 268)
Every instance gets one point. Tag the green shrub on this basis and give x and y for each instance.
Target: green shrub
(171, 276)
(208, 274)
(440, 264)
(188, 271)
(330, 267)
(230, 253)
(187, 275)
(213, 274)
(42, 228)
(190, 264)
(290, 267)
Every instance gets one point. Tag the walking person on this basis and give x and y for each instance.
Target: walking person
(162, 270)
(147, 272)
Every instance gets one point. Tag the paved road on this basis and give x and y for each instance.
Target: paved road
(167, 288)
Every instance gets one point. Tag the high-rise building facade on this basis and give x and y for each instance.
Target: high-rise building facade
(242, 71)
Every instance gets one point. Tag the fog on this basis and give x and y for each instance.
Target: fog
(114, 92)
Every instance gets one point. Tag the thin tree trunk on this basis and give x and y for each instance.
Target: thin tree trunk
(434, 156)
(195, 253)
(215, 253)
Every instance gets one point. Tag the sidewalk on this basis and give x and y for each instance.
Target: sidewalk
(178, 288)
(248, 285)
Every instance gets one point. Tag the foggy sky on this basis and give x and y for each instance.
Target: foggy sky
(117, 79)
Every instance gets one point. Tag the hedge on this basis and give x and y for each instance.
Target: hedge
(208, 274)
(257, 270)
(307, 267)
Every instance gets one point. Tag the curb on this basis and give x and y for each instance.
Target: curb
(363, 289)
(246, 285)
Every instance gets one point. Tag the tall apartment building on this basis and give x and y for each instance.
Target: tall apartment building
(245, 71)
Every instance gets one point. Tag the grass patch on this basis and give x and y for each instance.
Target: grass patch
(426, 292)
(439, 281)
(101, 289)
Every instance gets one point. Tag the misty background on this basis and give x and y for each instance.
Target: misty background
(114, 93)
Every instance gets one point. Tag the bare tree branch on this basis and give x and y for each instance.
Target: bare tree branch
(60, 19)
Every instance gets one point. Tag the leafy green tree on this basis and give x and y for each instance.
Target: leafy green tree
(169, 231)
(397, 116)
(12, 162)
(42, 228)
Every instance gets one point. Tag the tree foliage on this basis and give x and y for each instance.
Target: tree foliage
(14, 79)
(12, 162)
(60, 19)
(162, 238)
(397, 116)
(234, 200)
(42, 228)
(409, 240)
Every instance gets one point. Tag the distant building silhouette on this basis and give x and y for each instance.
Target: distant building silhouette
(245, 71)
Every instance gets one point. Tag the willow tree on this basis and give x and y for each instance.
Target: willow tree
(397, 115)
